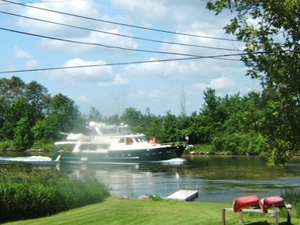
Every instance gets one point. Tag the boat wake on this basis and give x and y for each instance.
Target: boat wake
(176, 161)
(30, 160)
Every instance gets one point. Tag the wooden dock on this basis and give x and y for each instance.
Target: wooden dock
(184, 195)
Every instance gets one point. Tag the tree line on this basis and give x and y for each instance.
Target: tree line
(31, 118)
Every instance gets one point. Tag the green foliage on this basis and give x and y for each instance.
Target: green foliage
(6, 145)
(272, 54)
(45, 146)
(28, 114)
(29, 193)
(292, 196)
(22, 137)
(265, 124)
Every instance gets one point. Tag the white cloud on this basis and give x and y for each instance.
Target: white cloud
(173, 70)
(30, 64)
(156, 94)
(83, 98)
(118, 81)
(87, 74)
(146, 9)
(84, 8)
(96, 42)
(220, 84)
(21, 54)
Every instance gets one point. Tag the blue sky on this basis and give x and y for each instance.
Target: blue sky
(158, 86)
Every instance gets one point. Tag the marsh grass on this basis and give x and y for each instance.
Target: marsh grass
(28, 192)
(292, 196)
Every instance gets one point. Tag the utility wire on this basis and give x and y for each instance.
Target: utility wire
(120, 35)
(124, 63)
(122, 24)
(98, 44)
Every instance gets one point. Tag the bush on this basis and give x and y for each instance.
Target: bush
(46, 146)
(240, 143)
(6, 145)
(30, 193)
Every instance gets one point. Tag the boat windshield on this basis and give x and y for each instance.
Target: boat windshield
(67, 147)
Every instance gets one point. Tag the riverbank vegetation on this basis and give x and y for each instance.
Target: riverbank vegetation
(240, 125)
(28, 192)
(151, 212)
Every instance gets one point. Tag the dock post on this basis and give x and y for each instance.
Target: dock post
(223, 216)
(289, 214)
(277, 217)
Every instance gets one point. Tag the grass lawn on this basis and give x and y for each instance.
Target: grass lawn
(115, 211)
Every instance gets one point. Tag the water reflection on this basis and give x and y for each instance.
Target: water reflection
(218, 178)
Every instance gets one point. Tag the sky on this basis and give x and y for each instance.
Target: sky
(113, 35)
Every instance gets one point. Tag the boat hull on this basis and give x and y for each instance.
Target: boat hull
(121, 156)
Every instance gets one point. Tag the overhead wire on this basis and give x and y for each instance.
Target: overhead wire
(188, 56)
(98, 44)
(122, 63)
(120, 35)
(122, 24)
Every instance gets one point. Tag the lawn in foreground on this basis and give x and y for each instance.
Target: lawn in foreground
(150, 212)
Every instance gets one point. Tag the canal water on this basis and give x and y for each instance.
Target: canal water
(217, 178)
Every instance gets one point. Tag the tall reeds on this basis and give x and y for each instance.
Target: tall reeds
(292, 196)
(28, 192)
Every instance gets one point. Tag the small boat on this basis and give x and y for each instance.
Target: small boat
(270, 202)
(251, 201)
(113, 144)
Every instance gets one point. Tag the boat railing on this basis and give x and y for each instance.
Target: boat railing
(178, 143)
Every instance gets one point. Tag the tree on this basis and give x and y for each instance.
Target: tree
(211, 117)
(272, 47)
(10, 90)
(22, 136)
(170, 128)
(19, 109)
(133, 118)
(95, 115)
(64, 116)
(39, 99)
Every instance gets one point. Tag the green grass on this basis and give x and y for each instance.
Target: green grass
(114, 211)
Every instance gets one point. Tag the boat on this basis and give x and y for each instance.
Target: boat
(251, 201)
(114, 144)
(270, 202)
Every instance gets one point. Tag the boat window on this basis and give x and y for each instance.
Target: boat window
(67, 147)
(103, 146)
(143, 139)
(93, 147)
(90, 147)
(121, 140)
(129, 141)
(138, 140)
(84, 147)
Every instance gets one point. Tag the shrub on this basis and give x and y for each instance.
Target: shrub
(6, 145)
(27, 192)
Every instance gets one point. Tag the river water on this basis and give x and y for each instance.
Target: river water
(217, 178)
